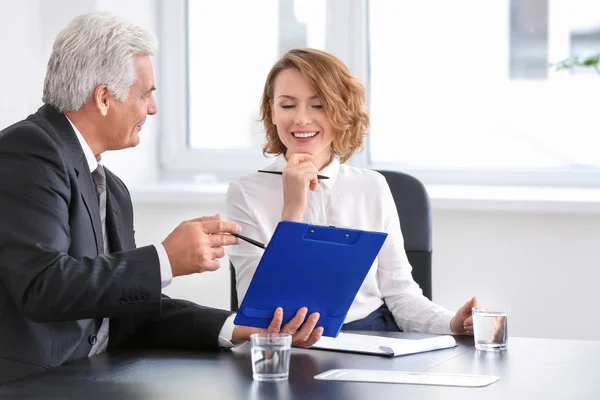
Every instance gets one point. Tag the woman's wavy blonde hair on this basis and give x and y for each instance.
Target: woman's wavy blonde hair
(342, 96)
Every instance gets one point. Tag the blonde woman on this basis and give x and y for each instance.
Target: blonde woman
(314, 115)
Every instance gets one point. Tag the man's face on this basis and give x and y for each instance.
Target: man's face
(125, 119)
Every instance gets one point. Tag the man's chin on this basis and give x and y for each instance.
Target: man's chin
(132, 142)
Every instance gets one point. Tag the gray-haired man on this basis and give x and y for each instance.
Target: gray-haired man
(72, 282)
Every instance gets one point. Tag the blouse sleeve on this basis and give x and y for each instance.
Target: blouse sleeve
(244, 256)
(403, 296)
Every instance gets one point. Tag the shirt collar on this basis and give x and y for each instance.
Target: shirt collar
(331, 170)
(87, 151)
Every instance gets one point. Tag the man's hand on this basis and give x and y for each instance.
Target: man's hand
(196, 245)
(462, 322)
(304, 334)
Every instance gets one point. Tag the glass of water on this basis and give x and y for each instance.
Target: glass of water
(490, 329)
(270, 356)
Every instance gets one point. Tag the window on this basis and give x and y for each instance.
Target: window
(229, 47)
(463, 90)
(459, 92)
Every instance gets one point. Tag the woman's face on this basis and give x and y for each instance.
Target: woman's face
(301, 121)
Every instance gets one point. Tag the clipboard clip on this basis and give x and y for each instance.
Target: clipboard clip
(331, 234)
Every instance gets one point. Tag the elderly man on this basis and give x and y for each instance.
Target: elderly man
(72, 282)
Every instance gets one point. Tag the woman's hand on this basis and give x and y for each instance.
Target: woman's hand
(462, 322)
(303, 331)
(299, 175)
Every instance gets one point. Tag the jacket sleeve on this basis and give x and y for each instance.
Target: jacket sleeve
(181, 324)
(36, 207)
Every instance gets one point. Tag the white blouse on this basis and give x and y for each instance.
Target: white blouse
(352, 198)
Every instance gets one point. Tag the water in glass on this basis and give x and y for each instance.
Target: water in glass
(270, 362)
(490, 329)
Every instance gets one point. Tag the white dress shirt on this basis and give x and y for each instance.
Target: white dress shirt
(166, 273)
(351, 198)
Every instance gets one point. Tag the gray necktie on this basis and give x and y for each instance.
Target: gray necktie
(99, 178)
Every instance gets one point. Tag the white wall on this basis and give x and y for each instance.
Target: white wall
(543, 266)
(21, 69)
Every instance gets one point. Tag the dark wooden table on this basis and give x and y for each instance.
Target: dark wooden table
(530, 369)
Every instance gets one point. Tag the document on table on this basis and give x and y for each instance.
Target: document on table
(383, 346)
(414, 378)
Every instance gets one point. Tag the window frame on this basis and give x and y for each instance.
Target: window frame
(177, 160)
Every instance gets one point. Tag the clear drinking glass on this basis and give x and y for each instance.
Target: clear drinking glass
(490, 329)
(270, 356)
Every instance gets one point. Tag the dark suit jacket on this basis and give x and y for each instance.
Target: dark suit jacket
(55, 283)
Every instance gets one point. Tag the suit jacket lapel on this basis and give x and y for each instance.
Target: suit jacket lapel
(60, 124)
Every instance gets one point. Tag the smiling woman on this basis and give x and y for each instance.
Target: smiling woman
(314, 113)
(299, 118)
(303, 112)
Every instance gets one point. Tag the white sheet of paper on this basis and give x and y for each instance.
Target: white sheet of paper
(384, 346)
(414, 378)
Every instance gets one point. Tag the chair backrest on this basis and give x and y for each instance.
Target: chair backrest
(412, 203)
(233, 297)
(414, 210)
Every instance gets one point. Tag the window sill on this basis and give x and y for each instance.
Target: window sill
(201, 194)
(443, 197)
(514, 198)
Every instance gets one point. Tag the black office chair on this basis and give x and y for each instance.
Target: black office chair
(412, 203)
(233, 296)
(414, 210)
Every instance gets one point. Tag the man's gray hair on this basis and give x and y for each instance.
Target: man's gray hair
(95, 49)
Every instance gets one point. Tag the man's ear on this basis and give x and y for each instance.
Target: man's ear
(102, 99)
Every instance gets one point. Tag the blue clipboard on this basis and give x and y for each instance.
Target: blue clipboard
(313, 266)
